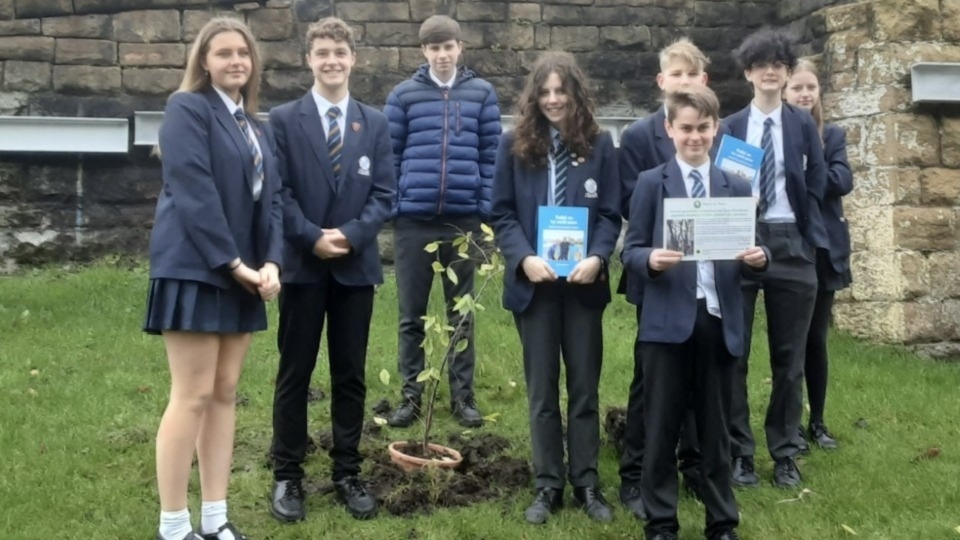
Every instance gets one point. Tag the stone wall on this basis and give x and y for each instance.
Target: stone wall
(903, 212)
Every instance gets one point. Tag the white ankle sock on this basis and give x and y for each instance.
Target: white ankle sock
(213, 515)
(175, 525)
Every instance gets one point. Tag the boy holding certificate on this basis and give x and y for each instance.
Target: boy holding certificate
(691, 323)
(556, 160)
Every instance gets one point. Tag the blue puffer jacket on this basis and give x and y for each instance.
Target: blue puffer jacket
(444, 145)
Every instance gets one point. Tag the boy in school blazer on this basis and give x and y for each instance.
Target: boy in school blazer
(643, 146)
(691, 322)
(791, 226)
(337, 170)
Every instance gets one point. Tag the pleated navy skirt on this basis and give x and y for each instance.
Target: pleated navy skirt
(192, 306)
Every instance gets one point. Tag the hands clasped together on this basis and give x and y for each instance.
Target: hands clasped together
(265, 282)
(538, 270)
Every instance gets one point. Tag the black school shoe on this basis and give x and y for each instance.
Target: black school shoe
(822, 436)
(360, 503)
(190, 536)
(466, 412)
(287, 501)
(545, 502)
(225, 527)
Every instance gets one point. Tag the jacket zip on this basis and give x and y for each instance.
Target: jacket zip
(443, 151)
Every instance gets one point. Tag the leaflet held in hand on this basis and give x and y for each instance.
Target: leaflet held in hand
(562, 236)
(739, 159)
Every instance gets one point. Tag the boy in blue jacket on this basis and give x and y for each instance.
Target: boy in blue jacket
(445, 125)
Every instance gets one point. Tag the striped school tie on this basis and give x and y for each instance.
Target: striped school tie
(561, 162)
(698, 191)
(254, 152)
(334, 140)
(768, 183)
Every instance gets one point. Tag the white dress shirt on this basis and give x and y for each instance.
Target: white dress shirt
(706, 281)
(780, 211)
(441, 84)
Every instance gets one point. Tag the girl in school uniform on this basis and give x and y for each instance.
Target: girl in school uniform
(215, 254)
(557, 156)
(833, 264)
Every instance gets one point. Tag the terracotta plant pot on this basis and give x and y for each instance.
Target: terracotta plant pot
(451, 459)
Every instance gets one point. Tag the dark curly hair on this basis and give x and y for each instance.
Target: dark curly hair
(532, 129)
(767, 45)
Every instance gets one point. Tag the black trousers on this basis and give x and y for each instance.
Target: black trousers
(631, 462)
(415, 278)
(695, 374)
(303, 310)
(789, 293)
(556, 324)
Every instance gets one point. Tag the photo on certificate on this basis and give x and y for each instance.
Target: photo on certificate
(709, 229)
(680, 235)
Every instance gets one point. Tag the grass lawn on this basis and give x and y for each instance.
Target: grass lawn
(82, 390)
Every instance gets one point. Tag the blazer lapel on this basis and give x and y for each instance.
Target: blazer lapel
(738, 123)
(575, 178)
(312, 127)
(354, 130)
(665, 147)
(673, 181)
(718, 183)
(229, 123)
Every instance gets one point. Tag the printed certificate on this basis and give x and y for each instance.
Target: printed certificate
(709, 229)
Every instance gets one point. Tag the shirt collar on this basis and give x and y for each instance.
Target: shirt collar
(757, 116)
(686, 168)
(231, 106)
(448, 84)
(323, 104)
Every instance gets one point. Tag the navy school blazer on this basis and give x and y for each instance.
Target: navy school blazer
(205, 210)
(519, 188)
(839, 183)
(644, 145)
(358, 205)
(806, 172)
(669, 308)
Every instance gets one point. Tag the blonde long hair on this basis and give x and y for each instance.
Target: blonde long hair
(817, 110)
(195, 77)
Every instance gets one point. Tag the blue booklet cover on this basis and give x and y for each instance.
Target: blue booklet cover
(739, 159)
(562, 236)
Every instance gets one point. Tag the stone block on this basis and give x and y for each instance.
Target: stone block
(721, 38)
(867, 101)
(282, 54)
(854, 16)
(594, 16)
(944, 277)
(756, 14)
(94, 52)
(915, 275)
(27, 48)
(115, 6)
(79, 26)
(358, 12)
(271, 24)
(27, 76)
(881, 321)
(377, 59)
(286, 84)
(626, 37)
(27, 9)
(716, 13)
(193, 21)
(840, 52)
(128, 183)
(486, 11)
(411, 59)
(489, 63)
(925, 228)
(871, 228)
(153, 81)
(927, 321)
(906, 20)
(950, 19)
(392, 34)
(158, 54)
(878, 276)
(950, 141)
(524, 12)
(22, 27)
(280, 3)
(420, 10)
(310, 11)
(86, 79)
(510, 36)
(940, 187)
(884, 186)
(574, 38)
(541, 37)
(147, 26)
(902, 139)
(888, 63)
(7, 10)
